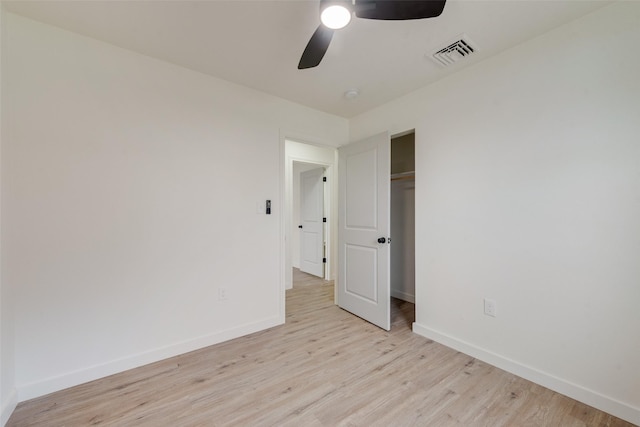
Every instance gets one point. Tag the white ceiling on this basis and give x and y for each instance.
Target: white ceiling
(259, 43)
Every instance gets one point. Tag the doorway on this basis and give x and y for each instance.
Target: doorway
(400, 178)
(304, 156)
(372, 229)
(403, 259)
(403, 189)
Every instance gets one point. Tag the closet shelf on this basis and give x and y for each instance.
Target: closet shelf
(403, 175)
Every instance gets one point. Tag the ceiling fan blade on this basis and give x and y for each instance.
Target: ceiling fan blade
(398, 9)
(316, 48)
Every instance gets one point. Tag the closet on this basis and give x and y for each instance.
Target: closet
(403, 217)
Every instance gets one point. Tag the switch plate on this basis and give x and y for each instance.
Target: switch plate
(222, 294)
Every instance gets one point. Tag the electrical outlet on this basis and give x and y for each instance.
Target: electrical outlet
(222, 294)
(489, 307)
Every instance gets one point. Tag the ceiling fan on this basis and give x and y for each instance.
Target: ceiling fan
(336, 14)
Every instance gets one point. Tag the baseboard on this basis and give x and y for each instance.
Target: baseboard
(70, 379)
(403, 296)
(592, 398)
(8, 406)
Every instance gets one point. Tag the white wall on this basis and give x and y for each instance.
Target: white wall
(130, 189)
(8, 393)
(325, 156)
(295, 217)
(528, 193)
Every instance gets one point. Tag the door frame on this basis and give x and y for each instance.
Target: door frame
(323, 155)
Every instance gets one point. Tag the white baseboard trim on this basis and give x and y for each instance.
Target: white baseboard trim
(607, 404)
(8, 406)
(70, 379)
(403, 296)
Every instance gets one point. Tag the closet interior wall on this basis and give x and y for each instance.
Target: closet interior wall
(403, 217)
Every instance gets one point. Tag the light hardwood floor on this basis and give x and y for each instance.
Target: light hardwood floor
(324, 367)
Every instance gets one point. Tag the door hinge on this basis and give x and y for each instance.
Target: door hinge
(324, 179)
(324, 260)
(324, 219)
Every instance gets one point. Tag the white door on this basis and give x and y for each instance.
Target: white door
(364, 170)
(311, 218)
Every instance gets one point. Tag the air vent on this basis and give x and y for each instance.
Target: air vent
(454, 52)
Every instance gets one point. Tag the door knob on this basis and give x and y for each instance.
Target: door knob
(299, 226)
(381, 240)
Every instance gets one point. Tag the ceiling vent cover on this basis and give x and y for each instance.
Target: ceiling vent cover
(455, 51)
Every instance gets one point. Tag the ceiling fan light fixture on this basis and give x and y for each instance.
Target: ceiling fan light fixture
(335, 16)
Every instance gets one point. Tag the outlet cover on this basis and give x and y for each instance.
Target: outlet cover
(489, 307)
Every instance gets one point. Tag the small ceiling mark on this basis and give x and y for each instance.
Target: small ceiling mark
(351, 94)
